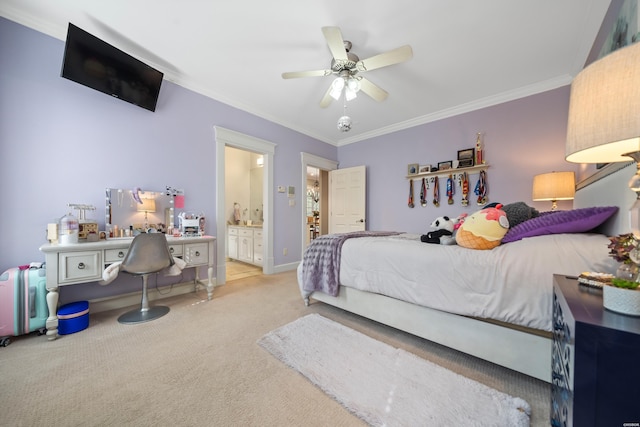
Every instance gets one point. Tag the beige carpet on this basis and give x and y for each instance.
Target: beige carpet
(200, 366)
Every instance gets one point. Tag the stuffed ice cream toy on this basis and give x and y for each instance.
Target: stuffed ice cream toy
(483, 229)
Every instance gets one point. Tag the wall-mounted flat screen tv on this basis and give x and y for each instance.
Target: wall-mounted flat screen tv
(97, 64)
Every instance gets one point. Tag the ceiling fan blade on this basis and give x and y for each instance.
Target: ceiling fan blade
(314, 73)
(326, 99)
(335, 42)
(391, 57)
(373, 90)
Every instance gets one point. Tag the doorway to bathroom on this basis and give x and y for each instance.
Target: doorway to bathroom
(238, 213)
(244, 204)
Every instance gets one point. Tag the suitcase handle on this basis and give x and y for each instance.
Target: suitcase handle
(81, 266)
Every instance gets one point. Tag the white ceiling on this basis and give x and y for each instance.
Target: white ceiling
(467, 54)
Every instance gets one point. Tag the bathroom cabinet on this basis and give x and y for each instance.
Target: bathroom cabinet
(245, 244)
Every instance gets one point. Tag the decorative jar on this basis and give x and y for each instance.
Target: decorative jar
(621, 300)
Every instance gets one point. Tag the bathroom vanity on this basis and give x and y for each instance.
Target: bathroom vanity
(245, 243)
(84, 262)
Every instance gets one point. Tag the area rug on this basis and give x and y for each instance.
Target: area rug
(387, 386)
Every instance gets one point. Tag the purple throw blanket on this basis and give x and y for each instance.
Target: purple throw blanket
(321, 260)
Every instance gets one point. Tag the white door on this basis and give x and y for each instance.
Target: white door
(347, 199)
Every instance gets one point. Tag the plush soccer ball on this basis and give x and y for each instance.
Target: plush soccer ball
(483, 229)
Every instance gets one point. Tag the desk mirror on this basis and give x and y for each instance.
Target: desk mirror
(137, 209)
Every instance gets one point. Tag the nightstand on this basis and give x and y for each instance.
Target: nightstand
(595, 360)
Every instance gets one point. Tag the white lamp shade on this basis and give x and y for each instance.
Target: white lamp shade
(147, 205)
(336, 88)
(554, 186)
(604, 110)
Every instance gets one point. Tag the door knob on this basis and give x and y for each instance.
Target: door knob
(360, 220)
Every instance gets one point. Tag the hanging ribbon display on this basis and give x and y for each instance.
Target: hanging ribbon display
(410, 204)
(481, 188)
(423, 193)
(450, 190)
(465, 189)
(436, 192)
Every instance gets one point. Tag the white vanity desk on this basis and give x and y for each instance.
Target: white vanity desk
(76, 263)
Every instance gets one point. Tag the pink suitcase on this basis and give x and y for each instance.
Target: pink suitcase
(23, 302)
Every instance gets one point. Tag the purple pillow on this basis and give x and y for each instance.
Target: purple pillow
(573, 221)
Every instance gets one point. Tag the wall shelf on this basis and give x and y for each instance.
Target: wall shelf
(447, 172)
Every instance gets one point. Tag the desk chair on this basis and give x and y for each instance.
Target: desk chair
(148, 254)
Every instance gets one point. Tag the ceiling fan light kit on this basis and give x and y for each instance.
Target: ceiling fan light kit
(347, 65)
(345, 81)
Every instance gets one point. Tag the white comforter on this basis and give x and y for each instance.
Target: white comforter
(510, 283)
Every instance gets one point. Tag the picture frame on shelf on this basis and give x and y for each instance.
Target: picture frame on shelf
(424, 169)
(443, 166)
(412, 169)
(466, 157)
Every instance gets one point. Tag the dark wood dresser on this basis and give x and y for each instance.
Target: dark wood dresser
(595, 360)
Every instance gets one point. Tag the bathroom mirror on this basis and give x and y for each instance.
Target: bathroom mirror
(256, 190)
(123, 210)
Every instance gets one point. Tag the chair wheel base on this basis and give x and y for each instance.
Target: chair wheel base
(138, 316)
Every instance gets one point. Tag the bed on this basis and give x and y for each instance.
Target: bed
(493, 304)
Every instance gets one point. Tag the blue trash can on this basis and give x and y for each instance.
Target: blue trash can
(73, 317)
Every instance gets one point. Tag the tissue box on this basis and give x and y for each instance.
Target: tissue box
(73, 317)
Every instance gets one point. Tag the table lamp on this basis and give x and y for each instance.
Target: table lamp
(604, 116)
(554, 186)
(147, 205)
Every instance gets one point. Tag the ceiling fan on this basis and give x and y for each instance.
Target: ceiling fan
(347, 67)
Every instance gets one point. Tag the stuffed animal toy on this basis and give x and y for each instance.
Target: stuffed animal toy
(443, 230)
(483, 229)
(517, 212)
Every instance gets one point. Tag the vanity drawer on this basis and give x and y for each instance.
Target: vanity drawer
(257, 250)
(196, 254)
(245, 233)
(115, 255)
(257, 234)
(233, 231)
(80, 267)
(176, 250)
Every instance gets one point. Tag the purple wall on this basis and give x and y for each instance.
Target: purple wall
(521, 138)
(64, 143)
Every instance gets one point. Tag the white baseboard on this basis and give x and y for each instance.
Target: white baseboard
(99, 305)
(286, 267)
